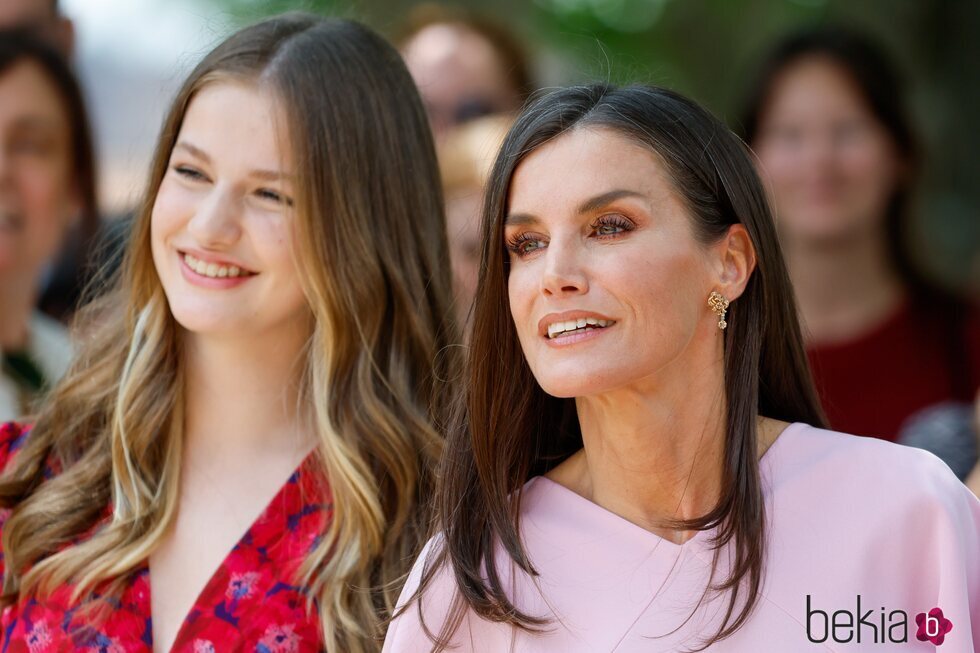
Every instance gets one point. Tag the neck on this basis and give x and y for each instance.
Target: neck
(843, 288)
(18, 295)
(242, 396)
(651, 453)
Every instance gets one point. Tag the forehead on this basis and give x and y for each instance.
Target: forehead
(26, 90)
(812, 86)
(237, 121)
(583, 163)
(21, 13)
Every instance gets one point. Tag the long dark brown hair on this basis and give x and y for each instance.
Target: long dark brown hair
(508, 429)
(373, 260)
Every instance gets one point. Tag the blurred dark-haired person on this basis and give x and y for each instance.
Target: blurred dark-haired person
(466, 66)
(893, 356)
(47, 193)
(638, 465)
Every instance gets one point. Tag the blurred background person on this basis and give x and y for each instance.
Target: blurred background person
(465, 156)
(465, 66)
(893, 355)
(69, 272)
(47, 189)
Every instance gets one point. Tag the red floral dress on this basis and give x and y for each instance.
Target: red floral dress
(247, 605)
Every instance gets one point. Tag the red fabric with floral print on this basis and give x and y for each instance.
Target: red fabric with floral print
(247, 605)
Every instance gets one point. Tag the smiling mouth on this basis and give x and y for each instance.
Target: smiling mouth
(581, 325)
(214, 270)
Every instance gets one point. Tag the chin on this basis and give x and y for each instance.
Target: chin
(579, 383)
(203, 323)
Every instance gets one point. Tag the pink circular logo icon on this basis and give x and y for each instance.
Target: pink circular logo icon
(932, 626)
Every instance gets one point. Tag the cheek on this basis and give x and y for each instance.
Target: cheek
(276, 247)
(172, 209)
(46, 200)
(522, 290)
(872, 166)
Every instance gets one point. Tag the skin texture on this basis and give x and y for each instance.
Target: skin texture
(38, 198)
(649, 389)
(243, 346)
(831, 169)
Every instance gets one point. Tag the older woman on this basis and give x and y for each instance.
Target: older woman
(640, 464)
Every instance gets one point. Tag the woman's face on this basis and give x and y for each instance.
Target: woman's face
(831, 166)
(38, 196)
(607, 285)
(222, 226)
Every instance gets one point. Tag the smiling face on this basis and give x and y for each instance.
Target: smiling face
(832, 166)
(38, 198)
(222, 226)
(608, 284)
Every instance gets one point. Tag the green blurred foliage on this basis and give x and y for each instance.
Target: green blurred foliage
(707, 49)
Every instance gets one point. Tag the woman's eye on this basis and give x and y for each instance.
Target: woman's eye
(30, 146)
(524, 244)
(192, 174)
(274, 196)
(612, 225)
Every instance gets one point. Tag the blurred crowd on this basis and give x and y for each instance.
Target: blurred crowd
(894, 355)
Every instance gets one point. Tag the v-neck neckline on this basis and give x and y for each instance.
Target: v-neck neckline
(296, 476)
(588, 508)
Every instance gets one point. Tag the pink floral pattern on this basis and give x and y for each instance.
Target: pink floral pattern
(249, 604)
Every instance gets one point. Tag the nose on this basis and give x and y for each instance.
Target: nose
(217, 221)
(564, 272)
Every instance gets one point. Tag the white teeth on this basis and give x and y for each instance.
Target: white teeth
(213, 270)
(571, 325)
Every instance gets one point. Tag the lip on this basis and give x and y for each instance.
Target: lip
(551, 318)
(219, 283)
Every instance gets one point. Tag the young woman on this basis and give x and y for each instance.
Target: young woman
(237, 458)
(893, 357)
(623, 477)
(47, 196)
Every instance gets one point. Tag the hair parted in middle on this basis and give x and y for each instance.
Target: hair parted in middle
(373, 259)
(507, 429)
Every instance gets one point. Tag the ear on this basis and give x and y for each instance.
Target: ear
(734, 262)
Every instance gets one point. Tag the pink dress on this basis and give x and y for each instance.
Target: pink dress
(249, 604)
(873, 547)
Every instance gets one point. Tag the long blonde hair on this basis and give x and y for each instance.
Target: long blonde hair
(373, 256)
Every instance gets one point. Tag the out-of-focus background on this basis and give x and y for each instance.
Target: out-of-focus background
(131, 55)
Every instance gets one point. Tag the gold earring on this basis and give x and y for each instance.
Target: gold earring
(718, 304)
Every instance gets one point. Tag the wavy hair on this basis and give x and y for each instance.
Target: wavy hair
(373, 258)
(508, 429)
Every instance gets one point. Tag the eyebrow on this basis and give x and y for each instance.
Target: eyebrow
(588, 206)
(268, 175)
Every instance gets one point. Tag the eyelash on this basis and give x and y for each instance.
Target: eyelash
(263, 193)
(273, 196)
(189, 173)
(623, 224)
